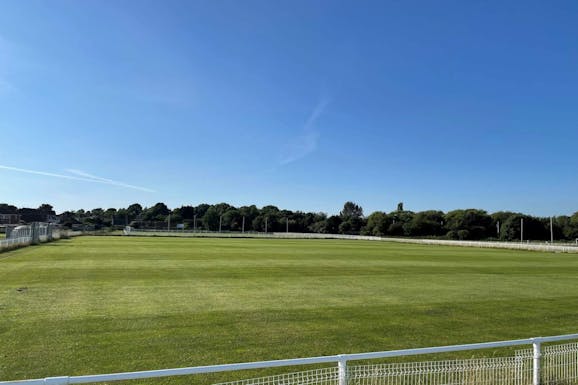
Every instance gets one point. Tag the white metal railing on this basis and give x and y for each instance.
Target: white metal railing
(25, 235)
(540, 246)
(560, 364)
(12, 242)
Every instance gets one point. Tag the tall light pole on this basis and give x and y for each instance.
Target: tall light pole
(287, 225)
(195, 223)
(498, 228)
(266, 218)
(521, 229)
(220, 222)
(243, 225)
(551, 231)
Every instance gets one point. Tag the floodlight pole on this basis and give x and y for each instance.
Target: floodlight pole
(220, 222)
(521, 229)
(243, 225)
(498, 228)
(551, 231)
(266, 218)
(287, 225)
(195, 223)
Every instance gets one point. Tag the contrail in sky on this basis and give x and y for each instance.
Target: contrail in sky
(305, 143)
(80, 176)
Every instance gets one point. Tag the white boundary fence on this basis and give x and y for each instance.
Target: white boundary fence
(549, 365)
(442, 242)
(37, 232)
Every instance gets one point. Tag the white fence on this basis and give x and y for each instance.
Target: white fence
(15, 242)
(35, 233)
(442, 242)
(548, 365)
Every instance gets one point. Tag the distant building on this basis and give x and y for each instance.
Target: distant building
(9, 219)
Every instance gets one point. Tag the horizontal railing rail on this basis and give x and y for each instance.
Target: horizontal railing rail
(340, 359)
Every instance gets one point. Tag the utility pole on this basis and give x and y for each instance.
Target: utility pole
(266, 218)
(551, 231)
(521, 229)
(243, 225)
(220, 222)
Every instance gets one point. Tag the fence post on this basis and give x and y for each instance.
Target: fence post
(35, 233)
(64, 380)
(342, 370)
(536, 367)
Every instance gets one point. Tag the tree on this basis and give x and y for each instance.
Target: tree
(425, 223)
(250, 213)
(158, 212)
(187, 212)
(400, 206)
(399, 221)
(317, 223)
(95, 217)
(108, 216)
(46, 209)
(572, 227)
(133, 211)
(352, 218)
(262, 223)
(269, 220)
(498, 218)
(377, 224)
(333, 223)
(351, 210)
(8, 209)
(222, 208)
(561, 227)
(68, 218)
(121, 217)
(232, 220)
(201, 209)
(534, 228)
(211, 219)
(477, 224)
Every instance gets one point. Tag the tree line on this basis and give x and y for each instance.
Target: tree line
(463, 224)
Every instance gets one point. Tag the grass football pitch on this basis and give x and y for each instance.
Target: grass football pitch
(107, 304)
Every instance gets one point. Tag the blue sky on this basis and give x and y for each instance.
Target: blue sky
(300, 104)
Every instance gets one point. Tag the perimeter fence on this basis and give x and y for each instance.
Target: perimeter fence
(553, 364)
(567, 248)
(35, 233)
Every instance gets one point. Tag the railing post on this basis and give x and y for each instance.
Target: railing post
(536, 367)
(64, 380)
(342, 370)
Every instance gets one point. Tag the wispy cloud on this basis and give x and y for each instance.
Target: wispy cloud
(79, 176)
(306, 142)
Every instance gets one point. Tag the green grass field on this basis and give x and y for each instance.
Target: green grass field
(107, 304)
